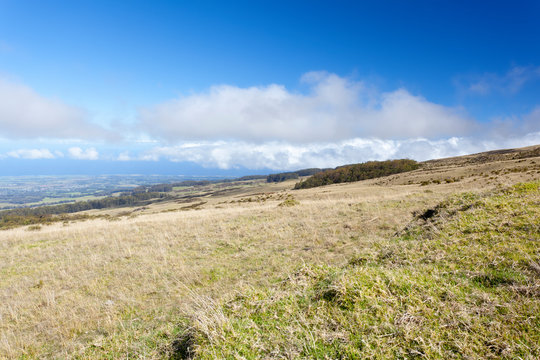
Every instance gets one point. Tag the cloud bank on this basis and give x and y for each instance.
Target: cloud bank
(25, 114)
(287, 156)
(333, 109)
(334, 122)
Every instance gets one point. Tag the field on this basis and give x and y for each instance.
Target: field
(441, 262)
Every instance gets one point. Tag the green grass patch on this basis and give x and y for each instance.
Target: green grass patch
(461, 283)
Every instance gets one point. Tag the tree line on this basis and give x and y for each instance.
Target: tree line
(357, 172)
(279, 177)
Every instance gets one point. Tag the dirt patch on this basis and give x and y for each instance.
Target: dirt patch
(195, 206)
(428, 214)
(183, 347)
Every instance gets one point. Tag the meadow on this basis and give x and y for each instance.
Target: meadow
(436, 263)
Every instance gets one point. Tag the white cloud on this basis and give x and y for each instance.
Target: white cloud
(281, 155)
(514, 126)
(510, 83)
(26, 114)
(80, 154)
(31, 154)
(124, 156)
(334, 109)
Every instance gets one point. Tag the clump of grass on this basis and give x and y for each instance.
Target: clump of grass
(460, 283)
(289, 201)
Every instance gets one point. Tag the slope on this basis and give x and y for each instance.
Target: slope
(461, 281)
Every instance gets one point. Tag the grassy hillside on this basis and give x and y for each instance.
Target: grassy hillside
(255, 269)
(102, 289)
(461, 281)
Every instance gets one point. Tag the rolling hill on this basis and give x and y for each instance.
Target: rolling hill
(439, 262)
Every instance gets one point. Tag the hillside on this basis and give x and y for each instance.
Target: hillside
(486, 157)
(439, 262)
(462, 280)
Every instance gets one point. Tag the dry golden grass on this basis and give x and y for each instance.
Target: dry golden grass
(64, 289)
(119, 289)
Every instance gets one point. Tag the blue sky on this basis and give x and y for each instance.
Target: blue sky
(258, 85)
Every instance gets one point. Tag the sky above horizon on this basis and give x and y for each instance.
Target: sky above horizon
(254, 86)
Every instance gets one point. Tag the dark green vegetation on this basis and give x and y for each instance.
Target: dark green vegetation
(292, 175)
(357, 172)
(462, 281)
